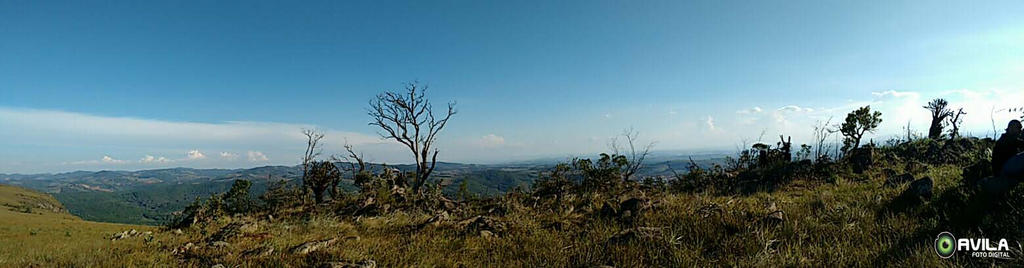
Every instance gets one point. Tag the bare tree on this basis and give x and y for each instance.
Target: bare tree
(313, 150)
(954, 121)
(355, 160)
(356, 165)
(408, 118)
(822, 131)
(939, 114)
(634, 154)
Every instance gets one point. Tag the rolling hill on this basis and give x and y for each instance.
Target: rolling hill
(35, 229)
(150, 197)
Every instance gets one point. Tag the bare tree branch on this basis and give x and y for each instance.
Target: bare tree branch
(408, 118)
(635, 154)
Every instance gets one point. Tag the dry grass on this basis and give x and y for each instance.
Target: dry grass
(846, 223)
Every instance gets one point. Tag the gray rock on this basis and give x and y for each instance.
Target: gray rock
(219, 244)
(345, 264)
(921, 188)
(775, 215)
(312, 246)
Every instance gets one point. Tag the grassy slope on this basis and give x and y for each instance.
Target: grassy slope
(44, 237)
(837, 224)
(846, 223)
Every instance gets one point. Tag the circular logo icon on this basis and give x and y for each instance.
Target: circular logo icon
(945, 245)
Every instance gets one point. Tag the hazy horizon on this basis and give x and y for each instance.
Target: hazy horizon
(231, 85)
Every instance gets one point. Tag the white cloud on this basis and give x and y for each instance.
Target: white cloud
(750, 111)
(111, 160)
(154, 159)
(710, 123)
(892, 94)
(228, 155)
(491, 140)
(48, 125)
(255, 156)
(194, 155)
(794, 108)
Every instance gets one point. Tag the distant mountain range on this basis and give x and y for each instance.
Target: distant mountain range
(151, 196)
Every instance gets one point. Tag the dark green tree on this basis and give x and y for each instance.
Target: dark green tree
(280, 195)
(237, 199)
(605, 174)
(857, 123)
(939, 113)
(320, 176)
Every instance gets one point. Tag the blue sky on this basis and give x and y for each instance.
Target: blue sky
(137, 85)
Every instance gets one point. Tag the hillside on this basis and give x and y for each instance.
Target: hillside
(36, 230)
(763, 212)
(151, 197)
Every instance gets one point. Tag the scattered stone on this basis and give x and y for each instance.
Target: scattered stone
(218, 266)
(497, 211)
(343, 264)
(775, 215)
(487, 234)
(368, 208)
(259, 252)
(177, 232)
(127, 234)
(220, 244)
(921, 188)
(893, 181)
(708, 210)
(479, 223)
(184, 249)
(249, 227)
(234, 229)
(312, 246)
(434, 221)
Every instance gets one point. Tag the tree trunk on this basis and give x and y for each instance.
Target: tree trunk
(935, 131)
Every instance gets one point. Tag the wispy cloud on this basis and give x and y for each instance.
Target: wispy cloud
(154, 159)
(194, 155)
(491, 140)
(228, 155)
(255, 156)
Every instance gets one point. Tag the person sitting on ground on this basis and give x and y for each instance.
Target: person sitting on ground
(1008, 146)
